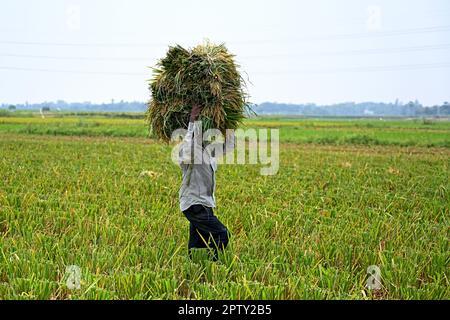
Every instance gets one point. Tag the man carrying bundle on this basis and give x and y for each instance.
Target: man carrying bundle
(205, 74)
(197, 189)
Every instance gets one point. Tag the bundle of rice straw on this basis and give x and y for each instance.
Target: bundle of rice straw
(205, 75)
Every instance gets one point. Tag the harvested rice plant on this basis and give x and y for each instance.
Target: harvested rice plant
(206, 75)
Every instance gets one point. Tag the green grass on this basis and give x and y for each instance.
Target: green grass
(309, 232)
(75, 126)
(317, 131)
(349, 193)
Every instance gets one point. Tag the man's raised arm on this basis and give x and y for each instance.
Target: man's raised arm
(191, 151)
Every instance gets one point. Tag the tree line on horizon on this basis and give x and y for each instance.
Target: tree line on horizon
(348, 109)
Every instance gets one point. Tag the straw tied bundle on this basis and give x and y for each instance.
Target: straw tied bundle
(206, 75)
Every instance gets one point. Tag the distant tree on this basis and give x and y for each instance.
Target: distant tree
(445, 109)
(11, 107)
(409, 108)
(45, 109)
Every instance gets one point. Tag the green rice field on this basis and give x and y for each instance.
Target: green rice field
(349, 193)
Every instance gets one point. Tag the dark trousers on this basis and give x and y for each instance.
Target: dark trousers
(205, 230)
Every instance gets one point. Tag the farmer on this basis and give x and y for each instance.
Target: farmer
(197, 189)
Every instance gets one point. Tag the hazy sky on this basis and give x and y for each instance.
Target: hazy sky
(293, 51)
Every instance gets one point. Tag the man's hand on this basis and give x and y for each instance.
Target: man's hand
(195, 112)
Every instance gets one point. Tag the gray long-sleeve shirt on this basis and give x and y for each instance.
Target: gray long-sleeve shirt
(198, 169)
